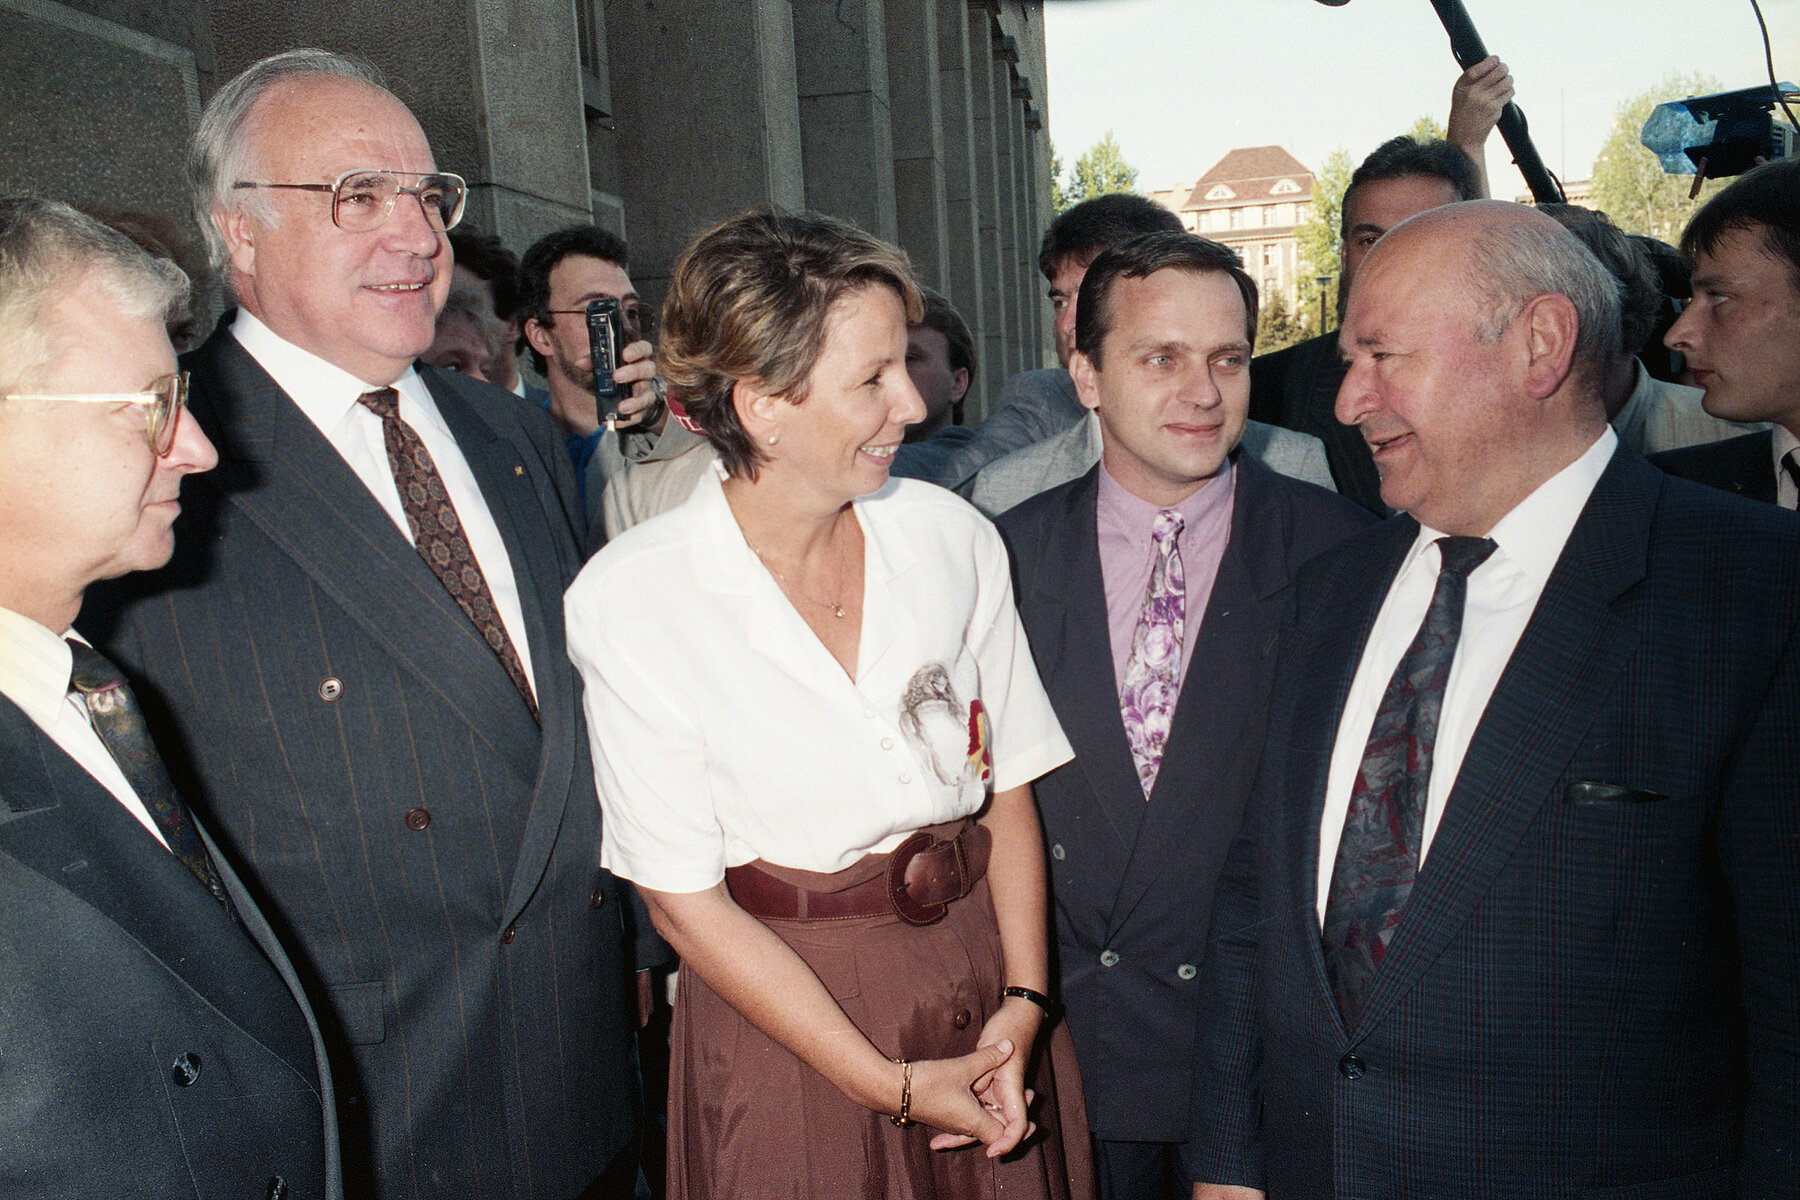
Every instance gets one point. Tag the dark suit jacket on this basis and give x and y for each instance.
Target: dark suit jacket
(1745, 465)
(428, 854)
(1297, 388)
(1133, 878)
(117, 969)
(1592, 989)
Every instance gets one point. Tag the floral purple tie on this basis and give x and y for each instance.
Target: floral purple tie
(1153, 672)
(114, 714)
(1378, 855)
(438, 534)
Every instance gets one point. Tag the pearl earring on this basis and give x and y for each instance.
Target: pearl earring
(773, 438)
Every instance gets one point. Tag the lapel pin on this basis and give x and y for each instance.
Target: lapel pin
(518, 470)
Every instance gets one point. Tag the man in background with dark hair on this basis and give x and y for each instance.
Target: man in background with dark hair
(485, 265)
(1649, 414)
(1152, 589)
(1741, 333)
(558, 277)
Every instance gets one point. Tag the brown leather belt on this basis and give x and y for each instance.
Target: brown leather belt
(924, 874)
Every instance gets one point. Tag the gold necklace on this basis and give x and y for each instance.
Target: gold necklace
(835, 607)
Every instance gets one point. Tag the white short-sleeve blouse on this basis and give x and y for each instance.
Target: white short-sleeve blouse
(723, 731)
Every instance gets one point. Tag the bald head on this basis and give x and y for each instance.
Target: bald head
(1477, 335)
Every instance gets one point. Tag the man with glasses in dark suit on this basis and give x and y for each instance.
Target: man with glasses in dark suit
(360, 651)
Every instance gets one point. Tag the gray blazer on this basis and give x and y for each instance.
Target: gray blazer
(426, 850)
(1068, 455)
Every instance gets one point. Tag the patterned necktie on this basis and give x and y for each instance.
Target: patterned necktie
(1378, 855)
(1790, 462)
(114, 714)
(438, 534)
(1153, 671)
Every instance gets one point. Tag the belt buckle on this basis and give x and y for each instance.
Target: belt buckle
(904, 906)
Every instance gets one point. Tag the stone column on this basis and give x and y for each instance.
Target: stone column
(988, 213)
(914, 81)
(1007, 222)
(964, 262)
(707, 119)
(846, 126)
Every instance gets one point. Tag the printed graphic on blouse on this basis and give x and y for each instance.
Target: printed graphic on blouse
(950, 738)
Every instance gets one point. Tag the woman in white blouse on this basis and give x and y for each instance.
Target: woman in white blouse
(815, 758)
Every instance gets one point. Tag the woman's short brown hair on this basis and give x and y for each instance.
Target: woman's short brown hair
(748, 301)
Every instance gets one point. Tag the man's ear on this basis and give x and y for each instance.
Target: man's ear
(959, 384)
(1551, 330)
(237, 229)
(537, 337)
(1087, 379)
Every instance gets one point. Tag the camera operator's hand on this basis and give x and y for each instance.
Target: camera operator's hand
(1481, 92)
(643, 407)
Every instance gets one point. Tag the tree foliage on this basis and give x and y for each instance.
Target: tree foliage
(1276, 328)
(1427, 129)
(1319, 237)
(1629, 183)
(1100, 171)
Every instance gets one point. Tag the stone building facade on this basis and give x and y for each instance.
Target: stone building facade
(923, 121)
(1253, 200)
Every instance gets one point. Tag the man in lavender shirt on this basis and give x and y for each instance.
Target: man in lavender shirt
(1153, 589)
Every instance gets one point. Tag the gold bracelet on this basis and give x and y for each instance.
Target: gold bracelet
(905, 1117)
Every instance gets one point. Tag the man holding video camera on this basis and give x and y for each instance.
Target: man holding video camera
(559, 276)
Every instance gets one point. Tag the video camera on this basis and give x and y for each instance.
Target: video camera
(1724, 134)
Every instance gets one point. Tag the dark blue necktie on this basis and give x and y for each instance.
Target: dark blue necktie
(113, 712)
(1378, 855)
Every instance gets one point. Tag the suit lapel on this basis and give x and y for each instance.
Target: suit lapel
(1566, 663)
(1077, 651)
(1214, 713)
(283, 475)
(520, 491)
(57, 821)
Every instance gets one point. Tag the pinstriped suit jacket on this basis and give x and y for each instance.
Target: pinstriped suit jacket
(1592, 990)
(428, 854)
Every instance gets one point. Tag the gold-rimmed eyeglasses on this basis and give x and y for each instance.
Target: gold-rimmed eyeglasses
(363, 199)
(162, 403)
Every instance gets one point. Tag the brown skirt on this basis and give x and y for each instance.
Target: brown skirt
(748, 1119)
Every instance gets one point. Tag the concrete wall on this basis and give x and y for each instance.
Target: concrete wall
(920, 120)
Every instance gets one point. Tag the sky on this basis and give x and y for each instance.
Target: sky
(1180, 82)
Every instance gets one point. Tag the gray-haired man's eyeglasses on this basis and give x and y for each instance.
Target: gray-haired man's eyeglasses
(363, 199)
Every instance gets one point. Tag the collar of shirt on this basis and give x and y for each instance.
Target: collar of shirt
(325, 392)
(1129, 516)
(1531, 537)
(1784, 443)
(35, 665)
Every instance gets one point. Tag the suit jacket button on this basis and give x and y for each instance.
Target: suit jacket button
(1057, 852)
(1352, 1067)
(185, 1070)
(1109, 958)
(330, 688)
(1186, 971)
(418, 818)
(961, 1019)
(512, 931)
(597, 897)
(277, 1188)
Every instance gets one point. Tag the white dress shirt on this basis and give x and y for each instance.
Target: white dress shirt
(1786, 493)
(1502, 594)
(724, 731)
(35, 666)
(329, 396)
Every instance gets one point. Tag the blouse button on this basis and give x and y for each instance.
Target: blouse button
(905, 778)
(887, 743)
(868, 715)
(961, 1019)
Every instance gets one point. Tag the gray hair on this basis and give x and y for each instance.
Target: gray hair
(45, 248)
(220, 154)
(1513, 263)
